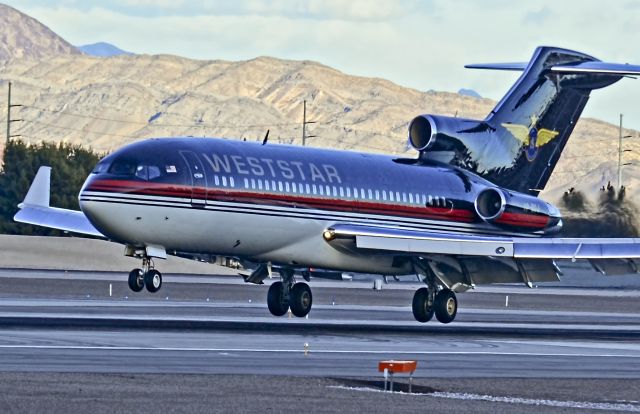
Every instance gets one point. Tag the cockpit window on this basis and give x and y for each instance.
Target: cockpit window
(124, 167)
(100, 168)
(165, 168)
(147, 172)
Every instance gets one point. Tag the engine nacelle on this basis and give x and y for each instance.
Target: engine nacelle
(431, 133)
(516, 211)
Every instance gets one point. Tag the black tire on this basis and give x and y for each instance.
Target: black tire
(446, 306)
(276, 300)
(136, 280)
(153, 280)
(300, 299)
(420, 306)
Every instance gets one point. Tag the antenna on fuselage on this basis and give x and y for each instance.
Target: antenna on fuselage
(266, 138)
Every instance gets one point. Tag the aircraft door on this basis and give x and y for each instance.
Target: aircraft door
(198, 178)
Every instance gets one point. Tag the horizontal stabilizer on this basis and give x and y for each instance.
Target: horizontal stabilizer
(35, 209)
(589, 67)
(517, 66)
(597, 67)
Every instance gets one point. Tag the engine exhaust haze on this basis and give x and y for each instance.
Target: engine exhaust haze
(613, 215)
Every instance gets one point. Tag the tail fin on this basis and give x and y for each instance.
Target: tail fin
(531, 124)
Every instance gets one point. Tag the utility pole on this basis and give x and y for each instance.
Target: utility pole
(304, 124)
(9, 120)
(620, 154)
(620, 151)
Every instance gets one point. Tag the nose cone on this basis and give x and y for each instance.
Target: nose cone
(84, 192)
(89, 193)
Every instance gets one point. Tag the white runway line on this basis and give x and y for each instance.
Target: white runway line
(582, 405)
(109, 303)
(315, 351)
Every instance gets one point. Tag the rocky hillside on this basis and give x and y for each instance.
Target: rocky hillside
(24, 37)
(104, 103)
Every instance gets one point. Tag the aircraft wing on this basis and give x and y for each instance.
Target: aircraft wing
(35, 209)
(423, 243)
(462, 261)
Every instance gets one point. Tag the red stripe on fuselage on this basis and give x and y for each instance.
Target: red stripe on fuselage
(177, 190)
(523, 220)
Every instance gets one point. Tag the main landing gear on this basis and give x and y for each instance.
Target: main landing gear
(428, 301)
(286, 294)
(443, 304)
(146, 277)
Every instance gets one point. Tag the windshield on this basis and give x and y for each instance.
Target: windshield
(162, 168)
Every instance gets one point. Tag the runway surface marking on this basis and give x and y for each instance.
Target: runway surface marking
(312, 351)
(568, 344)
(83, 303)
(583, 405)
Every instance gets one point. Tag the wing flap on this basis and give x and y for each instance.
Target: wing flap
(420, 242)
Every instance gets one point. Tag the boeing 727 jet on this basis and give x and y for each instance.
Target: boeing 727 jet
(463, 212)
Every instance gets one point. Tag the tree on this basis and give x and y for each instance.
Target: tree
(70, 166)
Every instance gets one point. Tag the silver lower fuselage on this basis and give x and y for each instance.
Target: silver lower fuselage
(250, 232)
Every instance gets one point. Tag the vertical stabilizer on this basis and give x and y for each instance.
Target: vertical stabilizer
(520, 142)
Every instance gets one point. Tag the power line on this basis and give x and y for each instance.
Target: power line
(85, 131)
(197, 124)
(587, 155)
(153, 124)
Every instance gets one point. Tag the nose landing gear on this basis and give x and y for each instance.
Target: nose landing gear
(147, 277)
(136, 280)
(277, 299)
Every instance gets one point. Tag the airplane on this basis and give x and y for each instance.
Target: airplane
(464, 212)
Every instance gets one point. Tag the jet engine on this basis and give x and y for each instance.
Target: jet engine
(516, 211)
(433, 133)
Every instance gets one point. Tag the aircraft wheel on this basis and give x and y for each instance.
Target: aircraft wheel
(446, 306)
(422, 311)
(136, 280)
(153, 280)
(300, 299)
(277, 301)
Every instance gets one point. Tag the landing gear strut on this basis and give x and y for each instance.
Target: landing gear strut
(286, 294)
(146, 277)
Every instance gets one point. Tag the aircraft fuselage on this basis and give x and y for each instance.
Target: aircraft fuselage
(273, 202)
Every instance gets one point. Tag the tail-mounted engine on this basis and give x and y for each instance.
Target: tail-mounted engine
(516, 211)
(433, 133)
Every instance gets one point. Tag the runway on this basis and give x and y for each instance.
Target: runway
(230, 331)
(89, 324)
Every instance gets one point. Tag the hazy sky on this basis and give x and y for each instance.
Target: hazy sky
(419, 44)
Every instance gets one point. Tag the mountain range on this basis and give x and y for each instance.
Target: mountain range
(105, 102)
(102, 49)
